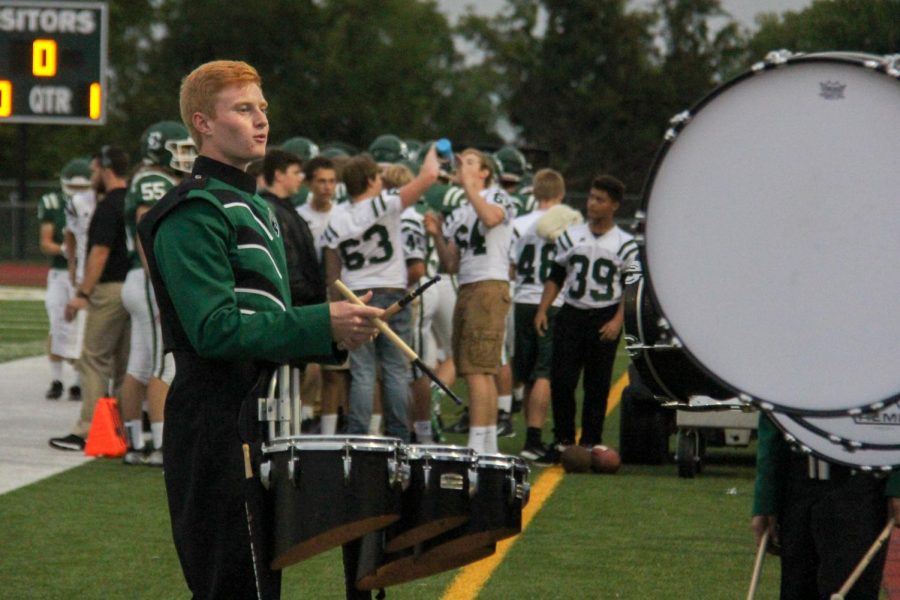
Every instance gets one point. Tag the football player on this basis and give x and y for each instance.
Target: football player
(306, 149)
(515, 176)
(590, 263)
(416, 249)
(531, 258)
(65, 336)
(474, 242)
(363, 246)
(167, 152)
(320, 175)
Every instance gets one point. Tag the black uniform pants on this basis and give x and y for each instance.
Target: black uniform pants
(577, 346)
(209, 497)
(826, 528)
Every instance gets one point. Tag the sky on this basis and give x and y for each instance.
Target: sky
(742, 10)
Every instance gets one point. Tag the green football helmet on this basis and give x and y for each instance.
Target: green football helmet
(414, 147)
(513, 163)
(496, 166)
(75, 176)
(303, 147)
(335, 150)
(168, 144)
(389, 148)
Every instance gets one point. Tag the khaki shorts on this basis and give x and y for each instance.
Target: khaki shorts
(479, 321)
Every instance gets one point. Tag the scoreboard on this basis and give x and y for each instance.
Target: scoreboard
(53, 62)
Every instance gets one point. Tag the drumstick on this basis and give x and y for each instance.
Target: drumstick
(397, 341)
(397, 306)
(876, 546)
(757, 566)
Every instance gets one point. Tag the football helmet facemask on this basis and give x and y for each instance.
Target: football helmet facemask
(167, 144)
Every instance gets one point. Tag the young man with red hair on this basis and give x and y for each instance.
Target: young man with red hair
(218, 267)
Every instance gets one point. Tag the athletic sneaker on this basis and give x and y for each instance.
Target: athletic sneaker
(533, 452)
(155, 458)
(75, 393)
(135, 457)
(504, 425)
(461, 426)
(71, 442)
(55, 391)
(553, 456)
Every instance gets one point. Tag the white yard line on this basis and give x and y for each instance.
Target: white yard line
(9, 292)
(28, 421)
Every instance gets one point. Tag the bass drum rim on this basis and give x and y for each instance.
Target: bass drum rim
(797, 433)
(639, 308)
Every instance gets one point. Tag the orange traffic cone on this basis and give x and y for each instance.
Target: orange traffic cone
(107, 435)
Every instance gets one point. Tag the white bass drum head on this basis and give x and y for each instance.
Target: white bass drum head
(772, 229)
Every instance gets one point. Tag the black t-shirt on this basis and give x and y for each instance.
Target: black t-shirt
(107, 228)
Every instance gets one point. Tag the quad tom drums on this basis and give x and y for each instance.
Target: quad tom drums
(329, 490)
(442, 482)
(419, 510)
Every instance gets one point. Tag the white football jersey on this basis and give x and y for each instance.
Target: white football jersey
(366, 235)
(483, 253)
(532, 256)
(415, 239)
(79, 209)
(595, 265)
(317, 221)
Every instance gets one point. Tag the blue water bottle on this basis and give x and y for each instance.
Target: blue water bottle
(444, 149)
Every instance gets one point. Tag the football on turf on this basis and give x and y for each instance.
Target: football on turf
(576, 459)
(605, 460)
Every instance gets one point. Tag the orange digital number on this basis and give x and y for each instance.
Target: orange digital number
(5, 98)
(95, 101)
(43, 58)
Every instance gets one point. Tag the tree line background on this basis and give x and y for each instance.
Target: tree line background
(591, 83)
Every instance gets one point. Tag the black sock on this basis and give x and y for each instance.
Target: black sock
(533, 436)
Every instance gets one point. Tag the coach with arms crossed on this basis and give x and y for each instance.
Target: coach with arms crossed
(218, 267)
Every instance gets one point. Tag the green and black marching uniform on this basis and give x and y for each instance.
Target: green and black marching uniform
(218, 268)
(828, 515)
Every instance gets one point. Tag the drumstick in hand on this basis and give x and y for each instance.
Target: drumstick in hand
(876, 546)
(757, 566)
(397, 306)
(397, 341)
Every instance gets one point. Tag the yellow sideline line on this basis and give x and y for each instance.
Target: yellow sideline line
(469, 581)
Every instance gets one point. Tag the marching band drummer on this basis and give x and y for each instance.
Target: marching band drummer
(821, 517)
(218, 268)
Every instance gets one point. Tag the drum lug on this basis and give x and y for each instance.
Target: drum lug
(891, 64)
(292, 469)
(265, 474)
(398, 473)
(514, 491)
(633, 346)
(426, 472)
(678, 122)
(775, 58)
(405, 475)
(524, 493)
(473, 481)
(348, 463)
